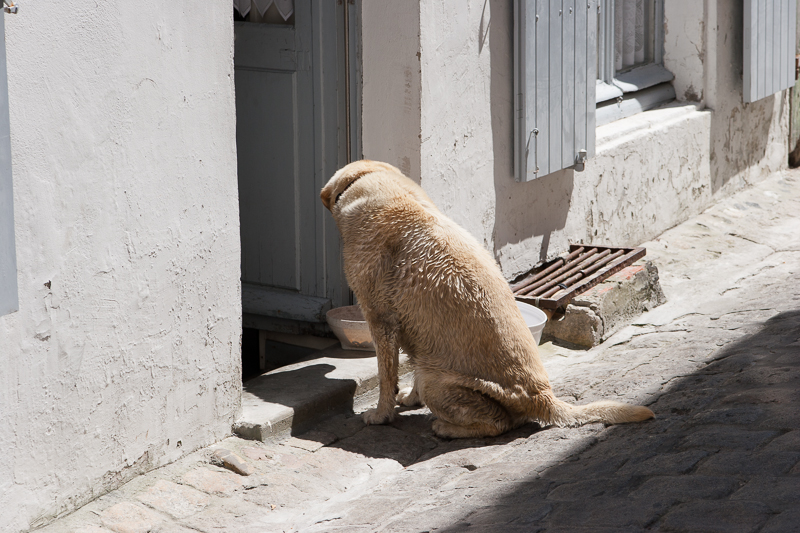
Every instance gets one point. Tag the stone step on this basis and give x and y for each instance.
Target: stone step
(293, 399)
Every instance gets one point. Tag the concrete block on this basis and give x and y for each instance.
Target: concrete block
(593, 316)
(738, 463)
(727, 437)
(311, 441)
(785, 521)
(686, 488)
(615, 514)
(779, 493)
(664, 464)
(388, 442)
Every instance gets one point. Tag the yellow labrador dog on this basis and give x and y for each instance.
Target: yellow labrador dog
(425, 285)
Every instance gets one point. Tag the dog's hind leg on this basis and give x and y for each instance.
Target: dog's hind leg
(462, 413)
(476, 430)
(409, 396)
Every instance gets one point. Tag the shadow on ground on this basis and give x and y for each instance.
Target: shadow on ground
(410, 439)
(308, 391)
(276, 355)
(723, 455)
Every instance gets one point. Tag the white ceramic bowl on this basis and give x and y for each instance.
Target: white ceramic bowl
(535, 319)
(350, 327)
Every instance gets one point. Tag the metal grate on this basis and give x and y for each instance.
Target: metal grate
(553, 284)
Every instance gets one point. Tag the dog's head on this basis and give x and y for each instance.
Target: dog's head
(347, 176)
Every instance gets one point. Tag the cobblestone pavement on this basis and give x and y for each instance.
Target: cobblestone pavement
(719, 363)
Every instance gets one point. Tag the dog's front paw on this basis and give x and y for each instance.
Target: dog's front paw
(375, 417)
(408, 397)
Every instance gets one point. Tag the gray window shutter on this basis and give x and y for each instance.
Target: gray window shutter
(769, 41)
(8, 260)
(555, 68)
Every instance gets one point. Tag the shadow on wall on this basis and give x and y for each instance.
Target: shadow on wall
(720, 456)
(739, 131)
(523, 210)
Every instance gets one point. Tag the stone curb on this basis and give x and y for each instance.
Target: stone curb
(595, 315)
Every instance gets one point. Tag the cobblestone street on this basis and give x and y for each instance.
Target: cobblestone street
(719, 364)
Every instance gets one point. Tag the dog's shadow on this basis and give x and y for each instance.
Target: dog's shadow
(409, 440)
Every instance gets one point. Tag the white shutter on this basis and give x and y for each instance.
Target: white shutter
(555, 67)
(769, 44)
(8, 261)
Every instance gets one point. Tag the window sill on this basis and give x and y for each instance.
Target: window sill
(634, 80)
(642, 78)
(633, 103)
(644, 124)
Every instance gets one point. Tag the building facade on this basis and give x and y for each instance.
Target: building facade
(122, 344)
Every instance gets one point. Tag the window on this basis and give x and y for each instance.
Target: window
(579, 64)
(630, 74)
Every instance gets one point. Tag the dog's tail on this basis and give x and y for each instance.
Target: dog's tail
(561, 413)
(544, 407)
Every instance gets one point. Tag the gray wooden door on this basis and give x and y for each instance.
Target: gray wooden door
(289, 141)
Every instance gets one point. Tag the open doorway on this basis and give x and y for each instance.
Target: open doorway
(297, 91)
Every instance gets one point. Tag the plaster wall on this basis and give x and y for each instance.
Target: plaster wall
(625, 196)
(458, 102)
(685, 47)
(651, 171)
(390, 84)
(125, 351)
(747, 141)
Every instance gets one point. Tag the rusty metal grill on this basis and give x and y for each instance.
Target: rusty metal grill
(553, 284)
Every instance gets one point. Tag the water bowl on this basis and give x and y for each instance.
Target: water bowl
(350, 327)
(535, 319)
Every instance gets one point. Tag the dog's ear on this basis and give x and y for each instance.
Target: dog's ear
(345, 177)
(325, 195)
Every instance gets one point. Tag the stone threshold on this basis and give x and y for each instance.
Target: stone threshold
(293, 399)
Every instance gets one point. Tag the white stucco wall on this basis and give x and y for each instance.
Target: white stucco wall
(390, 83)
(651, 171)
(685, 45)
(125, 352)
(460, 92)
